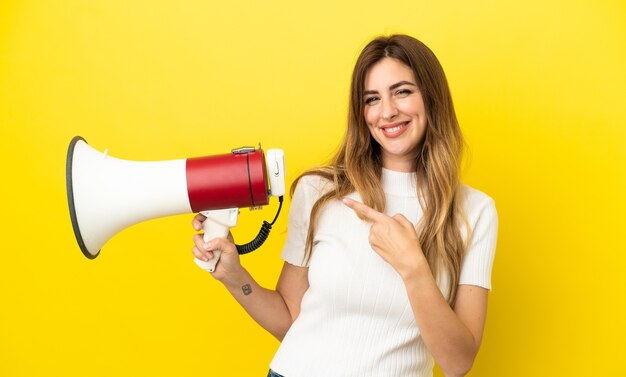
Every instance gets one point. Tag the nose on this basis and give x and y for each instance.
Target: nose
(389, 110)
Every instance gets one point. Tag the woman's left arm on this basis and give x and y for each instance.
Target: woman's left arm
(452, 336)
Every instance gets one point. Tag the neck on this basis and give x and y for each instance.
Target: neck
(401, 162)
(399, 165)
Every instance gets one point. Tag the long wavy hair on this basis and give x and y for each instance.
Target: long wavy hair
(357, 165)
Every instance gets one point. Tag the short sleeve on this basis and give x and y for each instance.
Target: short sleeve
(307, 192)
(483, 219)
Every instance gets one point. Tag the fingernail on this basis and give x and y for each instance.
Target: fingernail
(207, 245)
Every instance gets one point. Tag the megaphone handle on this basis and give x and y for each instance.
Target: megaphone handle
(217, 224)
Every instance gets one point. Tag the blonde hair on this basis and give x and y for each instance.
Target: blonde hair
(357, 165)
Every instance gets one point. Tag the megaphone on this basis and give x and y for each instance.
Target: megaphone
(106, 194)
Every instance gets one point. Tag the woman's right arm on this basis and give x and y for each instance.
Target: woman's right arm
(274, 310)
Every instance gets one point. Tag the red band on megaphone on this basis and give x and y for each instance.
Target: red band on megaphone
(227, 181)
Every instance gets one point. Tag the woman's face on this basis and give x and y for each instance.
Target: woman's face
(394, 113)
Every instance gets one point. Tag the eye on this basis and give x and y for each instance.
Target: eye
(403, 92)
(371, 100)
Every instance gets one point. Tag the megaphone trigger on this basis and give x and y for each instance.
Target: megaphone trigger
(217, 225)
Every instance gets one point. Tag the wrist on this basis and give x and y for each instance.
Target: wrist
(235, 279)
(416, 269)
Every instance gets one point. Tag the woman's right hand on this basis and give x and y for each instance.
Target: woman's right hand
(229, 266)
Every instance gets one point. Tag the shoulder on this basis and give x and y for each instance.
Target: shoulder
(313, 185)
(476, 203)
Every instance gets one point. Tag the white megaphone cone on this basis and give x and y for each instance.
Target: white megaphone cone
(107, 195)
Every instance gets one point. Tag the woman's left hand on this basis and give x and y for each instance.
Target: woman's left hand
(393, 237)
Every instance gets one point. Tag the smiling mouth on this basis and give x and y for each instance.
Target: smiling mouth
(394, 129)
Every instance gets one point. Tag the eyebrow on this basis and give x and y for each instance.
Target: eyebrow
(392, 87)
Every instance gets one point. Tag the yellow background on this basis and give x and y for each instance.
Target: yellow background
(539, 90)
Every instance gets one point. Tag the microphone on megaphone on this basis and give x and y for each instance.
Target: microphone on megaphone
(106, 195)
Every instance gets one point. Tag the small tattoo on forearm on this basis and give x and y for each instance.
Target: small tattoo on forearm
(247, 289)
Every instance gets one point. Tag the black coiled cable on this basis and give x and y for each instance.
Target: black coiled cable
(263, 234)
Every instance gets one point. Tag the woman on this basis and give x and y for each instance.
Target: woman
(388, 257)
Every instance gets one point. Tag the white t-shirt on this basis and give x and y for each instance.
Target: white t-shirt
(356, 318)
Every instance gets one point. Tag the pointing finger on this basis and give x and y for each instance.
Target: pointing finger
(364, 210)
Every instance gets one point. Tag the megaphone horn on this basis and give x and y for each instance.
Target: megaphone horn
(106, 194)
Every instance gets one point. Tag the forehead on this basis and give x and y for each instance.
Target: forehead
(387, 72)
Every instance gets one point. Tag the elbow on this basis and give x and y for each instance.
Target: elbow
(458, 370)
(281, 330)
(460, 367)
(279, 334)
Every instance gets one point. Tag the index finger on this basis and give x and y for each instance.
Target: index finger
(197, 221)
(366, 211)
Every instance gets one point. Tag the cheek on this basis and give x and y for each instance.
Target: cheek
(416, 108)
(370, 115)
(410, 108)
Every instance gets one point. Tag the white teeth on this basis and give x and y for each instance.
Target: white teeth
(394, 129)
